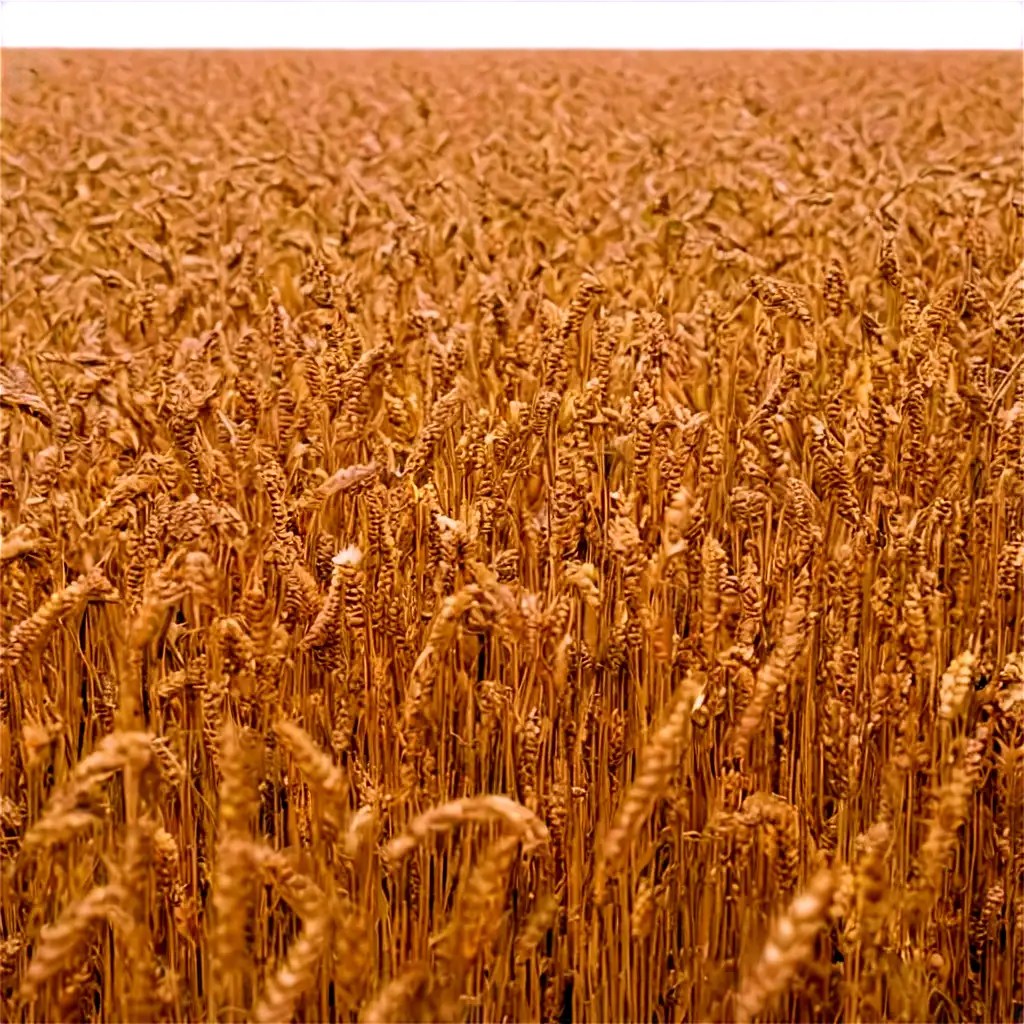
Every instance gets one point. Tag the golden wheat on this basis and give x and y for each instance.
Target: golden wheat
(525, 537)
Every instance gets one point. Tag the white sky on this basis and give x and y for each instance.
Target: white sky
(519, 24)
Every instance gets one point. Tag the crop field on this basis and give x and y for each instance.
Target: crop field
(525, 537)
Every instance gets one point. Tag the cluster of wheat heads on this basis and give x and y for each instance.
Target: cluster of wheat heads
(522, 538)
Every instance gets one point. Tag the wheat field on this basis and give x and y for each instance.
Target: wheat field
(525, 537)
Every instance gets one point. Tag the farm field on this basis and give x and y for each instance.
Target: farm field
(512, 537)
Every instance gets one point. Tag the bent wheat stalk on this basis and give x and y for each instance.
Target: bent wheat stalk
(60, 942)
(657, 762)
(789, 945)
(448, 816)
